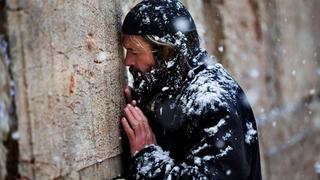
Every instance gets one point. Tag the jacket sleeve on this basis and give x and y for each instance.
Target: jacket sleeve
(217, 151)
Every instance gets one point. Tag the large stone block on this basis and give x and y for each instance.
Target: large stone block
(68, 72)
(298, 50)
(281, 125)
(297, 161)
(288, 133)
(244, 50)
(5, 102)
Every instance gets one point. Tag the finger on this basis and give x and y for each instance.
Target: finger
(141, 128)
(135, 113)
(133, 102)
(127, 128)
(133, 122)
(140, 113)
(145, 121)
(142, 131)
(128, 94)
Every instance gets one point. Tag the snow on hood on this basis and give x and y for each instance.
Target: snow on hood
(165, 22)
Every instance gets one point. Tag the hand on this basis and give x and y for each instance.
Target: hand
(128, 94)
(137, 129)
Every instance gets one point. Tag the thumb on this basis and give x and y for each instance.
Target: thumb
(128, 93)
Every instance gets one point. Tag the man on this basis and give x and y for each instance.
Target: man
(186, 117)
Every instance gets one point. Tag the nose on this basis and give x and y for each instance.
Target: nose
(128, 61)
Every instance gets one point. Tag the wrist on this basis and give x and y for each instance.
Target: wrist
(149, 146)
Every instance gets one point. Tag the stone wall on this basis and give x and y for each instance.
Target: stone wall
(66, 73)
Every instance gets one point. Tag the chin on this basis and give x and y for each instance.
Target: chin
(144, 72)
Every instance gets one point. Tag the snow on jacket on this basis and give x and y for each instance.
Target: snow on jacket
(205, 131)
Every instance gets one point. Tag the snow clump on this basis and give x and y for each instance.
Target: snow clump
(249, 137)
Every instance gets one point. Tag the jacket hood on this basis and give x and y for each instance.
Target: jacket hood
(164, 22)
(159, 18)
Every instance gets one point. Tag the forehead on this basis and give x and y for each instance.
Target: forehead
(134, 41)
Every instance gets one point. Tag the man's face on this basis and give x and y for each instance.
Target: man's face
(139, 55)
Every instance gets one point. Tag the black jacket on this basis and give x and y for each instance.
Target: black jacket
(207, 130)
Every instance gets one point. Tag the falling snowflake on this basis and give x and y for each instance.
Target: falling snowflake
(249, 137)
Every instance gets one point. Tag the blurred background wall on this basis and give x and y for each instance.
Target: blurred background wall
(60, 82)
(272, 48)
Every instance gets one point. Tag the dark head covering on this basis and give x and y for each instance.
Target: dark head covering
(158, 17)
(164, 22)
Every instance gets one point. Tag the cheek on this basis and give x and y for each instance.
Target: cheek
(144, 62)
(147, 64)
(150, 60)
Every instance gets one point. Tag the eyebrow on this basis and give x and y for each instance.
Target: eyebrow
(130, 49)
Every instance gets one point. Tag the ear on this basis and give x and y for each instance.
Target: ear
(168, 52)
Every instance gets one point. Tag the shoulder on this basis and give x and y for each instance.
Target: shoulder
(208, 89)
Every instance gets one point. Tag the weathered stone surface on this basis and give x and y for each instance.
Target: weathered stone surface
(283, 136)
(244, 51)
(4, 115)
(16, 54)
(69, 78)
(109, 168)
(298, 50)
(297, 161)
(15, 5)
(68, 74)
(284, 124)
(4, 92)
